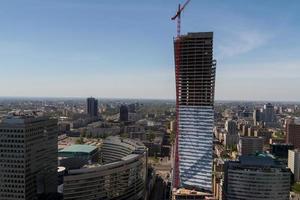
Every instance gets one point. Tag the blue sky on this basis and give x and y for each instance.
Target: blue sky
(117, 48)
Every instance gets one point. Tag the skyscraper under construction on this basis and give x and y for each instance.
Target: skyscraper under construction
(195, 85)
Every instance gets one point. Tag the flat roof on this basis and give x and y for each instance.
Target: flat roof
(82, 148)
(260, 160)
(187, 192)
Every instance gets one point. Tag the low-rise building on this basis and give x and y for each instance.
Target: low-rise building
(261, 132)
(186, 194)
(230, 140)
(77, 155)
(250, 145)
(281, 150)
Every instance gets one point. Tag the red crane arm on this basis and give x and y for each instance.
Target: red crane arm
(180, 9)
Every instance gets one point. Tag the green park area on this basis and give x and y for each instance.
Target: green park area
(296, 187)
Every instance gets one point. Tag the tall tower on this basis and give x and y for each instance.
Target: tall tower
(231, 127)
(195, 86)
(92, 107)
(269, 115)
(123, 113)
(28, 159)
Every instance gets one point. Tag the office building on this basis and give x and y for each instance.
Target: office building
(250, 145)
(256, 177)
(251, 130)
(265, 133)
(195, 83)
(132, 108)
(122, 174)
(281, 150)
(186, 194)
(231, 137)
(230, 140)
(173, 126)
(245, 128)
(28, 159)
(231, 127)
(82, 151)
(269, 115)
(124, 113)
(257, 116)
(294, 163)
(92, 107)
(293, 133)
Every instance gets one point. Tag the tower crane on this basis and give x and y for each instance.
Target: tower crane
(178, 16)
(177, 73)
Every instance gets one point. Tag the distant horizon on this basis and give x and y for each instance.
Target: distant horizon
(155, 99)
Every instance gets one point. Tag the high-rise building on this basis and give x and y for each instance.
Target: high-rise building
(28, 158)
(92, 107)
(293, 133)
(250, 145)
(257, 116)
(231, 136)
(124, 114)
(231, 127)
(256, 177)
(294, 163)
(195, 83)
(269, 115)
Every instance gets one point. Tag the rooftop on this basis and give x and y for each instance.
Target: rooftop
(200, 34)
(188, 192)
(258, 160)
(82, 148)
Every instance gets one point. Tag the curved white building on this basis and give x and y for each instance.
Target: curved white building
(122, 176)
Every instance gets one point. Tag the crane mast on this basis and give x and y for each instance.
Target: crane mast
(177, 16)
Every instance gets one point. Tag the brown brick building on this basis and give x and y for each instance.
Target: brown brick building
(293, 133)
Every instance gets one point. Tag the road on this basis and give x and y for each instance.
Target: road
(162, 169)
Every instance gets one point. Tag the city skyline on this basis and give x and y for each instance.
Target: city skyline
(102, 49)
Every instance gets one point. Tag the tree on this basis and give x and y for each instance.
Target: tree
(79, 140)
(172, 137)
(151, 136)
(124, 135)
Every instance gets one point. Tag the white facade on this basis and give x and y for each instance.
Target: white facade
(294, 163)
(250, 184)
(256, 178)
(195, 146)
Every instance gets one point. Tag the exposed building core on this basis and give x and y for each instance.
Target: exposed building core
(195, 83)
(196, 74)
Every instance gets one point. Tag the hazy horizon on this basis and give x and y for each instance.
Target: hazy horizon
(122, 98)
